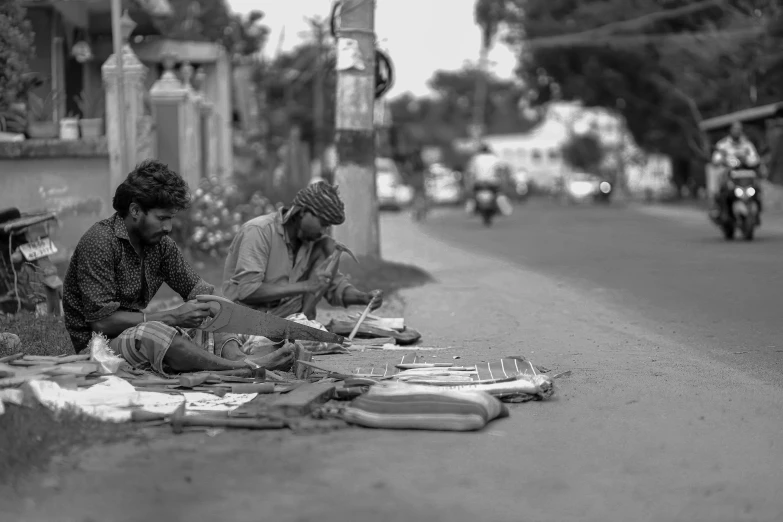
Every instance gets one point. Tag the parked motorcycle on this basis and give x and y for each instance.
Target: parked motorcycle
(28, 278)
(742, 202)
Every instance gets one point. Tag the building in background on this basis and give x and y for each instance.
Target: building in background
(538, 152)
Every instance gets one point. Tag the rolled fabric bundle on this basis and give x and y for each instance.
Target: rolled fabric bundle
(398, 405)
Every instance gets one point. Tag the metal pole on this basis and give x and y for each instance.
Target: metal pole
(117, 40)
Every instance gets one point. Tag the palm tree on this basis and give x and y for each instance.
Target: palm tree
(488, 15)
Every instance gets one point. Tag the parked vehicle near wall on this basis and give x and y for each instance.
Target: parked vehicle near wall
(28, 278)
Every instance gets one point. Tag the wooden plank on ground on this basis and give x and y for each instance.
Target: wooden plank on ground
(384, 323)
(302, 400)
(377, 341)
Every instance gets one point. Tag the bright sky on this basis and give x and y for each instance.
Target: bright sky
(421, 36)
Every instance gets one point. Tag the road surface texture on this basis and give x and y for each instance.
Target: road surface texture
(673, 411)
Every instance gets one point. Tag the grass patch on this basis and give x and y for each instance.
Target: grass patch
(39, 335)
(372, 274)
(33, 435)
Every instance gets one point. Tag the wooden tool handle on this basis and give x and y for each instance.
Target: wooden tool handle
(360, 320)
(253, 424)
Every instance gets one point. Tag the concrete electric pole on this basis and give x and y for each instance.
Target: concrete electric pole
(319, 33)
(355, 135)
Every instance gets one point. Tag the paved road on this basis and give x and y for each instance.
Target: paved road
(668, 266)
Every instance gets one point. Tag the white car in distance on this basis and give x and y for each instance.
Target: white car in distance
(390, 187)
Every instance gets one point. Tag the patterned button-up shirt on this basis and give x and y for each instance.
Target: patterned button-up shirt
(106, 275)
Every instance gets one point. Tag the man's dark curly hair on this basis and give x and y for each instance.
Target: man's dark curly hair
(152, 184)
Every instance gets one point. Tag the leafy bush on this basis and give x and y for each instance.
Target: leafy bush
(16, 52)
(584, 152)
(216, 215)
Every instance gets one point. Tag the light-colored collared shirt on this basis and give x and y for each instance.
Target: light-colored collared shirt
(728, 147)
(484, 167)
(261, 253)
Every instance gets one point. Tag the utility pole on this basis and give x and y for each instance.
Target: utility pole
(480, 94)
(355, 126)
(318, 94)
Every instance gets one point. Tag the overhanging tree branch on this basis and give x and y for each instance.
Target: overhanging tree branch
(688, 38)
(625, 25)
(702, 147)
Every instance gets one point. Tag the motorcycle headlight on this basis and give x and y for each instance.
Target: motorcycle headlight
(605, 187)
(751, 191)
(734, 162)
(739, 192)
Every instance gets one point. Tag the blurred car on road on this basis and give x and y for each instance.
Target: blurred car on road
(444, 186)
(392, 192)
(582, 186)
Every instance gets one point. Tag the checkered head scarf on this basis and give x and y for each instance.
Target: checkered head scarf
(322, 200)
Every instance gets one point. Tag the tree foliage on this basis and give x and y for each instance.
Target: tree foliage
(16, 51)
(289, 82)
(213, 21)
(446, 116)
(664, 74)
(583, 152)
(488, 15)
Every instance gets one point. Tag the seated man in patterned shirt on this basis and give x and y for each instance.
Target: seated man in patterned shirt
(118, 266)
(275, 262)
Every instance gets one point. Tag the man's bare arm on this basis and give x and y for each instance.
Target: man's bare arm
(188, 315)
(267, 293)
(118, 322)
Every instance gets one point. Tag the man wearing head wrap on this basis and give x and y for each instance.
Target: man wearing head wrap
(277, 260)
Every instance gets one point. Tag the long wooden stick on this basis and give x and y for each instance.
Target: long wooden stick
(360, 320)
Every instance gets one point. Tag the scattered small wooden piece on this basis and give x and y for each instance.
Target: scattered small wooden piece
(67, 382)
(274, 376)
(10, 358)
(56, 359)
(18, 380)
(21, 363)
(153, 382)
(257, 373)
(302, 400)
(385, 323)
(216, 379)
(329, 373)
(261, 387)
(302, 371)
(180, 420)
(191, 380)
(75, 368)
(377, 341)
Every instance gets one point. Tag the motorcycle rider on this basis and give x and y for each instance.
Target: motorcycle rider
(737, 146)
(417, 179)
(484, 172)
